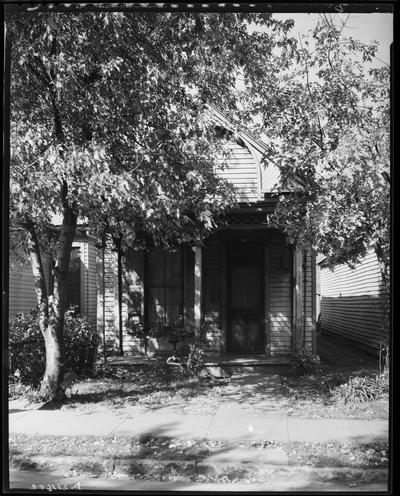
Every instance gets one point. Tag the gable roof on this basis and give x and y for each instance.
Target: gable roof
(222, 119)
(249, 138)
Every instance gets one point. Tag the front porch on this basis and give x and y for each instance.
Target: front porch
(245, 290)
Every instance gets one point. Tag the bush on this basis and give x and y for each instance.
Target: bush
(331, 381)
(81, 341)
(195, 361)
(105, 371)
(304, 362)
(27, 355)
(361, 389)
(18, 390)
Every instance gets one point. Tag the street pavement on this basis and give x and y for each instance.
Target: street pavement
(50, 482)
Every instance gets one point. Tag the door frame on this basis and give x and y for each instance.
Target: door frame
(230, 238)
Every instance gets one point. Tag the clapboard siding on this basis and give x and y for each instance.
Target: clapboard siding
(91, 310)
(110, 294)
(352, 302)
(242, 171)
(279, 296)
(22, 296)
(87, 255)
(211, 273)
(309, 319)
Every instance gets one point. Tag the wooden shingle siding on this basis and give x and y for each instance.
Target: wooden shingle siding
(279, 306)
(242, 171)
(352, 302)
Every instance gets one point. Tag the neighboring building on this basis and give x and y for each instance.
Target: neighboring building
(245, 287)
(81, 288)
(352, 302)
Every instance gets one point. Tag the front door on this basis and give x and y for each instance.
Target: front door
(245, 293)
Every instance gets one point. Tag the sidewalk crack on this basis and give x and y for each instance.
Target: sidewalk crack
(122, 421)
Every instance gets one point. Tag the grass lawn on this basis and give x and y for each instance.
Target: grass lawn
(373, 455)
(308, 396)
(311, 397)
(139, 388)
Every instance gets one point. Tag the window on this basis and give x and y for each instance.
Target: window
(164, 282)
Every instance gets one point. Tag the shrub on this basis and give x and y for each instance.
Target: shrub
(105, 371)
(331, 381)
(361, 389)
(304, 362)
(18, 390)
(195, 360)
(27, 356)
(81, 340)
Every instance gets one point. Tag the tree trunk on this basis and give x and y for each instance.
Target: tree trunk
(51, 385)
(38, 275)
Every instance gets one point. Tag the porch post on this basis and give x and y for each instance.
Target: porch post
(198, 254)
(298, 305)
(314, 301)
(101, 317)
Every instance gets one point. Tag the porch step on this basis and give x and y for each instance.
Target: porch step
(219, 365)
(246, 360)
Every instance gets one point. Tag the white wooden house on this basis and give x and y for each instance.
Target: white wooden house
(246, 289)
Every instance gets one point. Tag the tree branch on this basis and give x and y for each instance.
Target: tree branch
(313, 100)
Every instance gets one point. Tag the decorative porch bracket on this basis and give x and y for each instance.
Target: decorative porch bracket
(198, 254)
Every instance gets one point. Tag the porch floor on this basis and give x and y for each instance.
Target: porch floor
(332, 351)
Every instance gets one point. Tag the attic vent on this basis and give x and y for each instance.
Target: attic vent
(225, 134)
(222, 133)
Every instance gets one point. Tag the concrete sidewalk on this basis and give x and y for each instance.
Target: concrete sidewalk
(228, 423)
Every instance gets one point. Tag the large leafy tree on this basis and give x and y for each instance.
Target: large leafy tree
(327, 119)
(108, 126)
